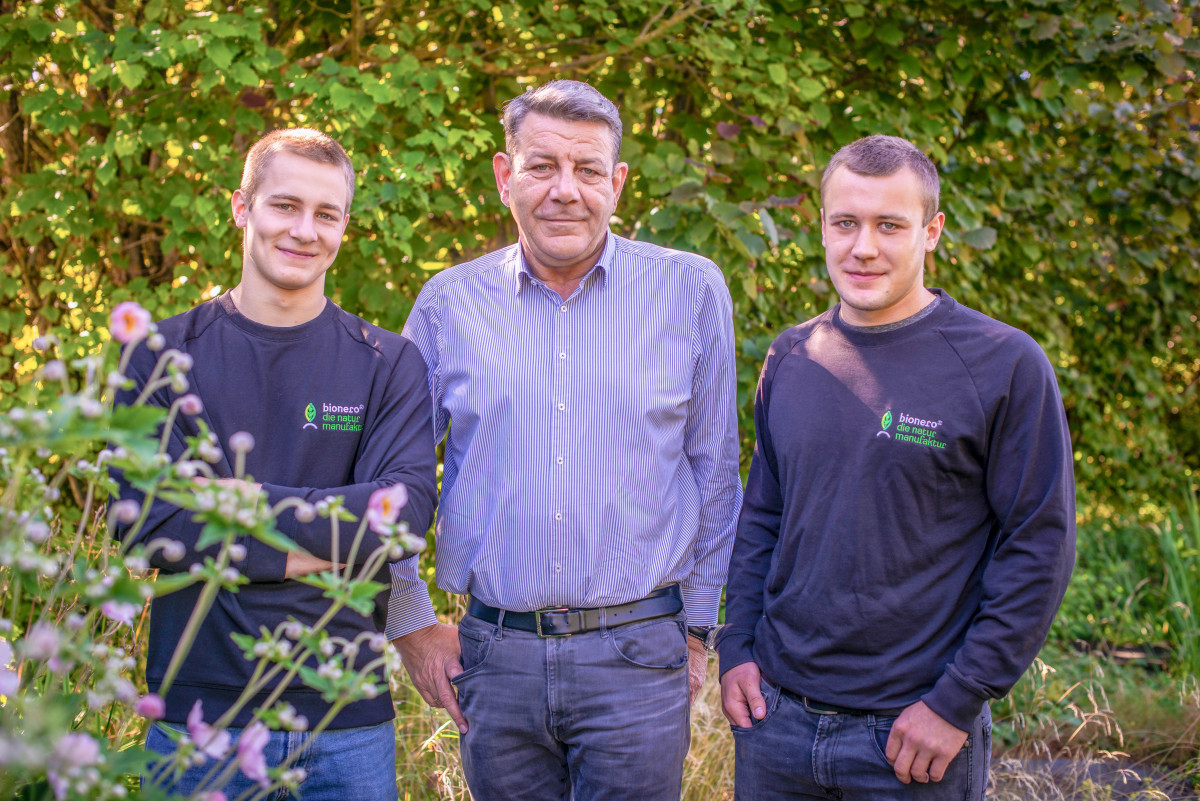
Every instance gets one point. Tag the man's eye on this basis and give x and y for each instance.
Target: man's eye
(284, 206)
(847, 224)
(888, 226)
(589, 172)
(541, 168)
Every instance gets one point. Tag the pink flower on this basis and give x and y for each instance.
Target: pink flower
(151, 706)
(130, 322)
(250, 753)
(126, 511)
(215, 744)
(241, 442)
(215, 795)
(119, 612)
(191, 404)
(72, 753)
(10, 682)
(383, 509)
(41, 641)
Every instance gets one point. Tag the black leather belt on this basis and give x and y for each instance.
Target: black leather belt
(565, 622)
(833, 709)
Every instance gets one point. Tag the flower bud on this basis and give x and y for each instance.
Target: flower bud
(90, 408)
(241, 442)
(191, 404)
(54, 370)
(156, 342)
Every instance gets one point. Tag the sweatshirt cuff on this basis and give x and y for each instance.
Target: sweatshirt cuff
(262, 562)
(954, 702)
(734, 648)
(701, 605)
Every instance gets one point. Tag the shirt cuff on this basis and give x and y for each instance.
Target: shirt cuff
(701, 604)
(409, 612)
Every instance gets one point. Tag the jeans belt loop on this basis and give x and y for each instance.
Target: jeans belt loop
(500, 625)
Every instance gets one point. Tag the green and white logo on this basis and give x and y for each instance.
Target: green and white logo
(885, 424)
(334, 416)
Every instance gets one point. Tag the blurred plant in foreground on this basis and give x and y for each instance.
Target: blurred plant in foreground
(73, 703)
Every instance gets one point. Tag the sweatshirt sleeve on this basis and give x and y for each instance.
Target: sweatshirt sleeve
(1031, 490)
(397, 448)
(757, 531)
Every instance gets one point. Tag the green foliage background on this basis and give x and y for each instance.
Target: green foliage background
(1065, 132)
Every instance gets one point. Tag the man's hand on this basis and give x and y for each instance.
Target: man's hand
(302, 563)
(432, 657)
(741, 695)
(922, 744)
(697, 667)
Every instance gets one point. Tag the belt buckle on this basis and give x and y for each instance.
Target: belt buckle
(817, 711)
(537, 619)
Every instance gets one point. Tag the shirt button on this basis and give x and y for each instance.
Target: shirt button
(560, 460)
(562, 308)
(558, 568)
(558, 515)
(561, 406)
(562, 355)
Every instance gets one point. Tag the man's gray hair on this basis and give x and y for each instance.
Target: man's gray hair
(879, 156)
(563, 100)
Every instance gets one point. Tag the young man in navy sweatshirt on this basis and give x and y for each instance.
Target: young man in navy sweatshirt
(908, 527)
(336, 406)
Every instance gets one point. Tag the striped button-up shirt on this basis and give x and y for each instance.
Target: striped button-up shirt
(592, 449)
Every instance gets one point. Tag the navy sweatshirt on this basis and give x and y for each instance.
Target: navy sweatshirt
(336, 407)
(908, 527)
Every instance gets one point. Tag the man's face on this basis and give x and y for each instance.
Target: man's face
(295, 227)
(875, 244)
(562, 187)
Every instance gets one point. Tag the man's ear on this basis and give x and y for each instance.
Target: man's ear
(240, 209)
(933, 231)
(502, 167)
(823, 228)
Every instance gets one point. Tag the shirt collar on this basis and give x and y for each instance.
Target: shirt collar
(518, 268)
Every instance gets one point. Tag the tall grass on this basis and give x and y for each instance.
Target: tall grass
(1179, 538)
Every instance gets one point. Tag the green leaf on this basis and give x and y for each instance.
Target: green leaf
(130, 75)
(983, 238)
(777, 73)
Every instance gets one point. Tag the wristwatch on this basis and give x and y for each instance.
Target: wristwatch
(705, 634)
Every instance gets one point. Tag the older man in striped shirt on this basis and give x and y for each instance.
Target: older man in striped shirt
(591, 481)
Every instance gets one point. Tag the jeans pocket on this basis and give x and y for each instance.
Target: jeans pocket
(772, 695)
(658, 644)
(881, 730)
(475, 639)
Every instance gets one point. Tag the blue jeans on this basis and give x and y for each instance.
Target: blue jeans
(599, 715)
(794, 753)
(341, 764)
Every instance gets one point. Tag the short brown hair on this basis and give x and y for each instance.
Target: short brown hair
(563, 100)
(303, 142)
(879, 156)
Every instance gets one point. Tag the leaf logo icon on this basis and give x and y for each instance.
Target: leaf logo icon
(886, 422)
(310, 412)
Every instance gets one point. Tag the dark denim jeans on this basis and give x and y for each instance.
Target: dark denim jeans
(794, 753)
(342, 764)
(601, 715)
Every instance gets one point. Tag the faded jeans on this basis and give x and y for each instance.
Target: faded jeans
(794, 753)
(599, 715)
